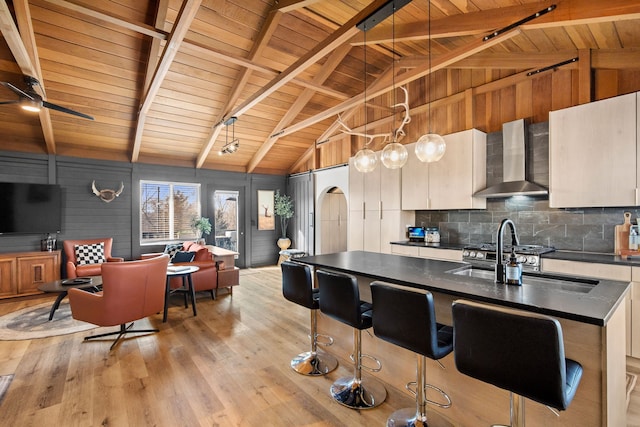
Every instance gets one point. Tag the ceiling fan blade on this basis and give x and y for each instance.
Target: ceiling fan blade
(65, 110)
(18, 91)
(9, 102)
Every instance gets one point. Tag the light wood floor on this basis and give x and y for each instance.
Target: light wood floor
(228, 366)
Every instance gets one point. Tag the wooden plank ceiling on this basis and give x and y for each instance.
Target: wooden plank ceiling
(161, 77)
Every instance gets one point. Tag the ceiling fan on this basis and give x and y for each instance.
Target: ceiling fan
(30, 100)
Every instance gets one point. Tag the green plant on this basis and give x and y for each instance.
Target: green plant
(201, 224)
(283, 207)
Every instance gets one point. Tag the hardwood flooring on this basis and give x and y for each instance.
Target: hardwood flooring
(228, 366)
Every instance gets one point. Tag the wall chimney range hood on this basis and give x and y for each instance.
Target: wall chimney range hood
(514, 166)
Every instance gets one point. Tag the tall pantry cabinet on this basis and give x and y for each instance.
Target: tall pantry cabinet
(375, 217)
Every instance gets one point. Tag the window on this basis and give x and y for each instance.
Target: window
(166, 211)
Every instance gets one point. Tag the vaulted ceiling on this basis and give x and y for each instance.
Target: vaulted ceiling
(163, 77)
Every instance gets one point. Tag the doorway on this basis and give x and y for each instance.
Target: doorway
(226, 207)
(333, 221)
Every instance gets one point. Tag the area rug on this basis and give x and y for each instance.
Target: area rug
(631, 383)
(33, 322)
(5, 381)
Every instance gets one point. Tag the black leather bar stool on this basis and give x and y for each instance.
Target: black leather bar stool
(407, 319)
(297, 287)
(340, 300)
(515, 350)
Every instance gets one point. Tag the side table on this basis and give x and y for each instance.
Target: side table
(187, 286)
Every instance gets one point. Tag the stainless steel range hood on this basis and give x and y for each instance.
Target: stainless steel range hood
(514, 167)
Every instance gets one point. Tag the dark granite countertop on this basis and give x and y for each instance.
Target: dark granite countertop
(593, 307)
(430, 245)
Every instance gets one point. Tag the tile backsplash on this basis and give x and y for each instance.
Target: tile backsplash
(584, 229)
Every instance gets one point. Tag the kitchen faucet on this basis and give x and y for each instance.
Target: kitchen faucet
(500, 247)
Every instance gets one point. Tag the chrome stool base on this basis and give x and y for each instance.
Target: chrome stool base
(407, 417)
(364, 394)
(313, 364)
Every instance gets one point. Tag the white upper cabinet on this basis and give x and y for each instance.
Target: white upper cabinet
(450, 182)
(593, 156)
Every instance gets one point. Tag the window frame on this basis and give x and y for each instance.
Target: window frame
(197, 187)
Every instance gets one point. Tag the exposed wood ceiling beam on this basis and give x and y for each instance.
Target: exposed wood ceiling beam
(156, 44)
(327, 68)
(183, 22)
(568, 12)
(266, 31)
(25, 53)
(285, 6)
(112, 19)
(337, 38)
(387, 83)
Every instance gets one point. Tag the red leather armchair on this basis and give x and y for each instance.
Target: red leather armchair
(74, 269)
(130, 291)
(206, 278)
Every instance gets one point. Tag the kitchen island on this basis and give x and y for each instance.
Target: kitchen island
(592, 315)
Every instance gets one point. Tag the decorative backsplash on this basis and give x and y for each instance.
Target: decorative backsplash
(585, 230)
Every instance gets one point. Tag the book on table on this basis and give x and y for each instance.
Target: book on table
(177, 268)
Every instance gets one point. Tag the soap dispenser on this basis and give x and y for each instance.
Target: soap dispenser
(513, 270)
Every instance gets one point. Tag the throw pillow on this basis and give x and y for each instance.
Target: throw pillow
(90, 254)
(172, 249)
(183, 257)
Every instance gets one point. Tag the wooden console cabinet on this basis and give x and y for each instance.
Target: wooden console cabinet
(21, 273)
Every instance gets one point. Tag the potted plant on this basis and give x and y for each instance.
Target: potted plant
(201, 226)
(283, 207)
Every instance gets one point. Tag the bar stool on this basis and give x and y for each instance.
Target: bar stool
(340, 300)
(407, 319)
(515, 350)
(297, 287)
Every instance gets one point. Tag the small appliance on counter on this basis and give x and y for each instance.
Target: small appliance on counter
(416, 234)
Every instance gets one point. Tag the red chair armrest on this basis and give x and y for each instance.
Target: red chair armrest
(115, 259)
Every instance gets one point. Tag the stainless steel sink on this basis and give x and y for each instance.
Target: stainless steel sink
(576, 284)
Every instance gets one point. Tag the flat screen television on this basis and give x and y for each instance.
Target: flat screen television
(30, 208)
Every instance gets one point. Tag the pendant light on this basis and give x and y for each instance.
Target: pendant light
(394, 155)
(365, 160)
(430, 147)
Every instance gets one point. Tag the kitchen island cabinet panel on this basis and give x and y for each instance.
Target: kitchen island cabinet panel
(593, 329)
(450, 182)
(592, 154)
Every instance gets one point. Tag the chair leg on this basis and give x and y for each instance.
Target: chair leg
(354, 392)
(124, 329)
(311, 363)
(517, 410)
(417, 416)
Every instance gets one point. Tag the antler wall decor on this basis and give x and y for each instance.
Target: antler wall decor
(107, 195)
(394, 135)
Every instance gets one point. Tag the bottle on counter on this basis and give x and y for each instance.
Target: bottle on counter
(513, 270)
(634, 238)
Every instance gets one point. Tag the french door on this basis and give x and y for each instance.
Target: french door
(226, 224)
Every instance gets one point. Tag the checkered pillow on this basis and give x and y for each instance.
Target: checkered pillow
(172, 249)
(90, 254)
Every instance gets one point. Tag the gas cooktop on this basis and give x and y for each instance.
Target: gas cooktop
(484, 254)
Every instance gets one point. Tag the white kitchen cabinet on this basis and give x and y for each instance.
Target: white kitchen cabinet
(450, 182)
(375, 218)
(592, 154)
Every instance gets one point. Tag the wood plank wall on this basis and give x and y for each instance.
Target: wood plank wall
(462, 99)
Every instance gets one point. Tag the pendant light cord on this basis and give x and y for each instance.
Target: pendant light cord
(430, 76)
(393, 70)
(366, 143)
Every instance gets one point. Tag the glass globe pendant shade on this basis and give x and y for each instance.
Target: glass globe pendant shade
(394, 155)
(430, 147)
(365, 160)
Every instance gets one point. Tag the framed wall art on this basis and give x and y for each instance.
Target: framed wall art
(266, 218)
